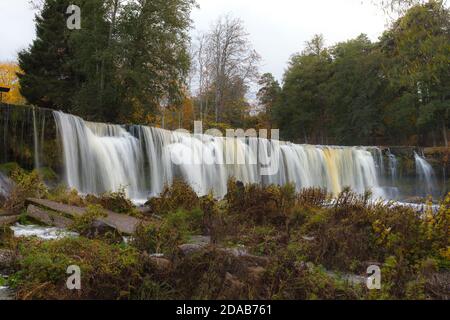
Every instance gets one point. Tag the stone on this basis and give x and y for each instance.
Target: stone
(48, 218)
(162, 264)
(8, 220)
(100, 229)
(7, 260)
(191, 248)
(195, 244)
(123, 223)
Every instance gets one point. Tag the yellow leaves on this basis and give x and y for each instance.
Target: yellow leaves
(9, 79)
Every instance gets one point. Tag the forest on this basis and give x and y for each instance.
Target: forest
(136, 62)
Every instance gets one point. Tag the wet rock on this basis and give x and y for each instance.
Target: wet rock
(7, 260)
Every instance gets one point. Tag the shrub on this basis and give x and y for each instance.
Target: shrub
(174, 229)
(177, 196)
(116, 202)
(64, 195)
(82, 223)
(27, 185)
(107, 271)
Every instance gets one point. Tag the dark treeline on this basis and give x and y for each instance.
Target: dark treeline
(394, 91)
(133, 61)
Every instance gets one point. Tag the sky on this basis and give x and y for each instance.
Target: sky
(277, 28)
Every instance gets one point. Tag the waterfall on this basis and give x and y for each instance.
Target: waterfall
(5, 185)
(103, 157)
(426, 177)
(36, 140)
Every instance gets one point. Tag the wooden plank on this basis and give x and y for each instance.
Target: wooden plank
(121, 222)
(48, 218)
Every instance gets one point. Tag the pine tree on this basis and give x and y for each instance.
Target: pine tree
(48, 79)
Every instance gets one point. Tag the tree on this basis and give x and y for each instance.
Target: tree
(357, 90)
(9, 79)
(304, 110)
(48, 79)
(418, 46)
(154, 58)
(127, 58)
(268, 96)
(232, 63)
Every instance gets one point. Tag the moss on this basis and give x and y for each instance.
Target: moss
(9, 168)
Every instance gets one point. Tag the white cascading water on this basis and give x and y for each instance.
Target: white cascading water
(5, 185)
(103, 157)
(426, 176)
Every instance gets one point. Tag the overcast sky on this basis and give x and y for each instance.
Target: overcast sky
(277, 28)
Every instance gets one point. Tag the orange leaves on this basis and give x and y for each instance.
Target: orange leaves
(9, 79)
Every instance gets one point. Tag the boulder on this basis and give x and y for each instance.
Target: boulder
(195, 244)
(7, 260)
(8, 220)
(158, 262)
(188, 249)
(48, 218)
(100, 229)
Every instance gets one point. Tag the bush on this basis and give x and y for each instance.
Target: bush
(107, 271)
(64, 195)
(177, 196)
(116, 202)
(164, 236)
(27, 185)
(84, 222)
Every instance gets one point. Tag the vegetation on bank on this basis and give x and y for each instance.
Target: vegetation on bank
(266, 243)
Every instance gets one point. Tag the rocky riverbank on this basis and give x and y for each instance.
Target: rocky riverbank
(257, 243)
